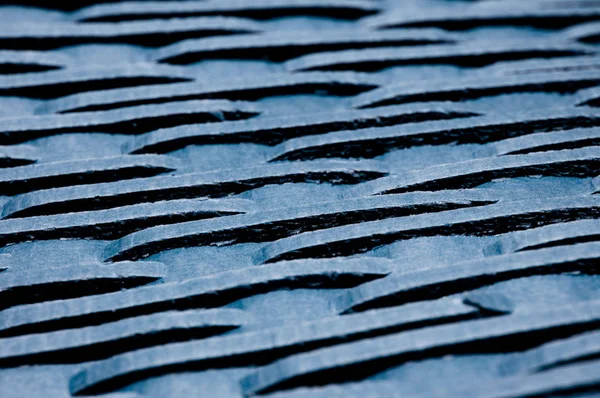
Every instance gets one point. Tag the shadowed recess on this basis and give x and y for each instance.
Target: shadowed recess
(206, 292)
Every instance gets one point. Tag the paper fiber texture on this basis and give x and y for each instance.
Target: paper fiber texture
(300, 198)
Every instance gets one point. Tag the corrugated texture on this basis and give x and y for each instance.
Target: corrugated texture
(300, 198)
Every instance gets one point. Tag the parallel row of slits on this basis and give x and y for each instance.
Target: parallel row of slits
(305, 198)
